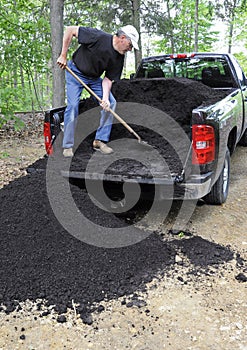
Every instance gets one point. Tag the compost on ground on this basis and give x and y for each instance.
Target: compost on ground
(41, 262)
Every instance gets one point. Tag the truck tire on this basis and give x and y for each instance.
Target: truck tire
(243, 140)
(219, 191)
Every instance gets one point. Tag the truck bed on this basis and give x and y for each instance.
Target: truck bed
(177, 97)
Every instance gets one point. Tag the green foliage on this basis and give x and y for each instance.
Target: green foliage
(241, 57)
(177, 27)
(181, 234)
(166, 25)
(233, 15)
(24, 55)
(4, 155)
(102, 14)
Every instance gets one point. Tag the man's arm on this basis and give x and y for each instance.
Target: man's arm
(69, 33)
(106, 86)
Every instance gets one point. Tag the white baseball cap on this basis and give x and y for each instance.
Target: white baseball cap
(131, 33)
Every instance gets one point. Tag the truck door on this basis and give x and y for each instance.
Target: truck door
(243, 86)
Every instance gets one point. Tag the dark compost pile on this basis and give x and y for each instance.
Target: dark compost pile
(40, 260)
(177, 97)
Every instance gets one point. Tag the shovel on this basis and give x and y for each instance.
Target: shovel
(109, 110)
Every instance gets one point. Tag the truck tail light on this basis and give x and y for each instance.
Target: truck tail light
(48, 140)
(203, 139)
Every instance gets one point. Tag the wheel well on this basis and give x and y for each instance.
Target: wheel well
(231, 144)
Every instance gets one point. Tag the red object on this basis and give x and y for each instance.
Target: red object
(203, 139)
(182, 55)
(179, 55)
(48, 140)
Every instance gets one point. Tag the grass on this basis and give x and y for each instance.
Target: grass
(4, 155)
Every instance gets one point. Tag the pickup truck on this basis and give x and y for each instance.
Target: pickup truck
(214, 127)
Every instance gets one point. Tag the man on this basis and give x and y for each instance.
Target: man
(98, 53)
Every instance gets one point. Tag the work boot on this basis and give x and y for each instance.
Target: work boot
(102, 147)
(68, 152)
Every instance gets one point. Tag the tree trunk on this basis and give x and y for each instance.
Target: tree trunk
(230, 37)
(231, 25)
(170, 26)
(136, 22)
(58, 81)
(196, 25)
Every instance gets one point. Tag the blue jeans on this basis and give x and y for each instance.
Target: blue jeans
(74, 90)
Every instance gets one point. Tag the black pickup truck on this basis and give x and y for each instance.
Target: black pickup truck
(166, 86)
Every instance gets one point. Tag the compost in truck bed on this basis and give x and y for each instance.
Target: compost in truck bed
(177, 97)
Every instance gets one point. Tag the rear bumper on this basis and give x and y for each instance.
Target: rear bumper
(196, 187)
(189, 190)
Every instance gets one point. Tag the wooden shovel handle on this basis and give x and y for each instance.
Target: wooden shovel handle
(100, 101)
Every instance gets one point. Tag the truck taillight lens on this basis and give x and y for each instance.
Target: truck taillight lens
(48, 140)
(203, 138)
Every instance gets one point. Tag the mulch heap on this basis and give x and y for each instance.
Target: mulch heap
(177, 97)
(41, 262)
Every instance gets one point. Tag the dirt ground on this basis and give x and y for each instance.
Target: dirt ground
(197, 303)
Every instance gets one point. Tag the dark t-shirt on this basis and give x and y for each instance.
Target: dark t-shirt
(96, 54)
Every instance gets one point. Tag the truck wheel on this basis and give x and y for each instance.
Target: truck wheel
(219, 191)
(243, 140)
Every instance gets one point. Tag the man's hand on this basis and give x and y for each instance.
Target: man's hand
(62, 61)
(69, 33)
(105, 104)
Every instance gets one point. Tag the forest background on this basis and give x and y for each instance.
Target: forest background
(31, 38)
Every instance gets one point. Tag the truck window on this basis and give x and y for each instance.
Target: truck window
(211, 71)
